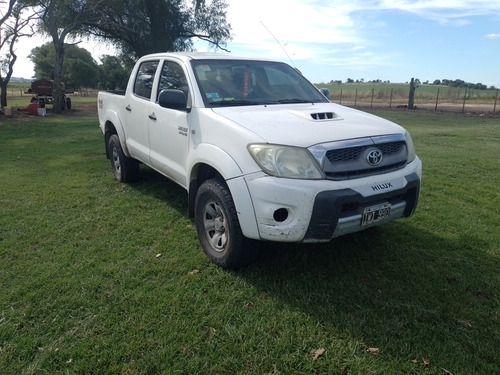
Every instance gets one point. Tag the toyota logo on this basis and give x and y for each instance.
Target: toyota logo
(374, 157)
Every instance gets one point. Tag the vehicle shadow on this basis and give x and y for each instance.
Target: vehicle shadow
(391, 287)
(153, 184)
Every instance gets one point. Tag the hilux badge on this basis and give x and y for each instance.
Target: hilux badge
(374, 157)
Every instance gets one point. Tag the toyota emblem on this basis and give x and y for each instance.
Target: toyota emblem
(374, 157)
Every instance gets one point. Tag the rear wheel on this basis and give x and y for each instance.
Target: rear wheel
(124, 168)
(218, 227)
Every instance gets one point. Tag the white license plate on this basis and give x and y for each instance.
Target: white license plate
(376, 213)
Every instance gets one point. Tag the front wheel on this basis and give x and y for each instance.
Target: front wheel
(218, 227)
(124, 168)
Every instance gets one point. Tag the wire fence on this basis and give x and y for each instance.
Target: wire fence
(440, 99)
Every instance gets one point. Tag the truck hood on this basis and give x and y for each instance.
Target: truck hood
(305, 125)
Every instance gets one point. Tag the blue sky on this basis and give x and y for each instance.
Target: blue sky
(390, 40)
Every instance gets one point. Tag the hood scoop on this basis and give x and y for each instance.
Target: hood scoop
(317, 116)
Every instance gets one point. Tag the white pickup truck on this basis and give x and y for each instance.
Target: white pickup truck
(261, 152)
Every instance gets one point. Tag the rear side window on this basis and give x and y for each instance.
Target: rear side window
(144, 79)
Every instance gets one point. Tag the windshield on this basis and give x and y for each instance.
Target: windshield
(238, 82)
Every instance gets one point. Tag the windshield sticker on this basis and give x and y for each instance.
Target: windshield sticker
(212, 95)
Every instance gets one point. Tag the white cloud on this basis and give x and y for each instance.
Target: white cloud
(492, 36)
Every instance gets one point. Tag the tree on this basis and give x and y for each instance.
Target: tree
(79, 67)
(114, 72)
(63, 19)
(139, 27)
(14, 25)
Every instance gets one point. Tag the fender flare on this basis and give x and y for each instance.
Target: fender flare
(226, 166)
(112, 121)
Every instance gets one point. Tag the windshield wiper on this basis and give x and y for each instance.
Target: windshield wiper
(235, 102)
(293, 100)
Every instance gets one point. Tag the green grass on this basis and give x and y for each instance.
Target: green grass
(96, 277)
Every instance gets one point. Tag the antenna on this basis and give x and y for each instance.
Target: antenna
(277, 41)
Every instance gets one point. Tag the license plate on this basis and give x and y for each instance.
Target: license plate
(376, 213)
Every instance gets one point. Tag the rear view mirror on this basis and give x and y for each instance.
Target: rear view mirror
(173, 99)
(325, 92)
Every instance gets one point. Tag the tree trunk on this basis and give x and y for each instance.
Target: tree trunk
(3, 99)
(58, 84)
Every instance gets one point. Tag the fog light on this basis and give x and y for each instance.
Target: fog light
(280, 215)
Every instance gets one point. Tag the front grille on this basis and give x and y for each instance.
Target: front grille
(353, 153)
(349, 159)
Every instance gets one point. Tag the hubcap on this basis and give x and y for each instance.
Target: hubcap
(116, 162)
(215, 231)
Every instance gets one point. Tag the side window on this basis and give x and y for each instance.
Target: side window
(172, 77)
(144, 80)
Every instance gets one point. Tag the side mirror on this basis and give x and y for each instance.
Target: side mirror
(173, 99)
(325, 92)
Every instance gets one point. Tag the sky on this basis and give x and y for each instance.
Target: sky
(390, 40)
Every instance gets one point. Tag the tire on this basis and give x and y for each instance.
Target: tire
(68, 103)
(124, 168)
(218, 227)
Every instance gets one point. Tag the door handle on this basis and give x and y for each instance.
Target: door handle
(152, 116)
(128, 108)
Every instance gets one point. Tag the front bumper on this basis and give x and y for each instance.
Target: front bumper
(339, 212)
(319, 210)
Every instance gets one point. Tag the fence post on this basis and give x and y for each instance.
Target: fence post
(371, 103)
(437, 99)
(496, 98)
(411, 95)
(340, 96)
(355, 97)
(390, 99)
(465, 97)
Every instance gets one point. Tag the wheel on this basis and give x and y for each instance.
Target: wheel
(124, 168)
(219, 229)
(68, 103)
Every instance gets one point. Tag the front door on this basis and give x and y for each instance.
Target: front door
(169, 129)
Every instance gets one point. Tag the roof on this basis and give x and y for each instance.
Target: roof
(189, 55)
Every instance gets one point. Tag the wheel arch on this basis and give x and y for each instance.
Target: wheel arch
(222, 166)
(112, 126)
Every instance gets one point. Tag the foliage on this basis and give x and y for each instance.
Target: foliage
(114, 72)
(99, 277)
(462, 84)
(79, 67)
(445, 82)
(139, 27)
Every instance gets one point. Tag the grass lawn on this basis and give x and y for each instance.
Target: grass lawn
(98, 277)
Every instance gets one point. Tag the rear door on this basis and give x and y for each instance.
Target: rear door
(138, 108)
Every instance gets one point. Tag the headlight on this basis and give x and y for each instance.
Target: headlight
(410, 147)
(285, 161)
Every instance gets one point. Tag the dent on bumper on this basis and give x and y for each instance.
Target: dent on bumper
(325, 215)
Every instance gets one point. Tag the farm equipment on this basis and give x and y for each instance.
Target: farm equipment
(43, 89)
